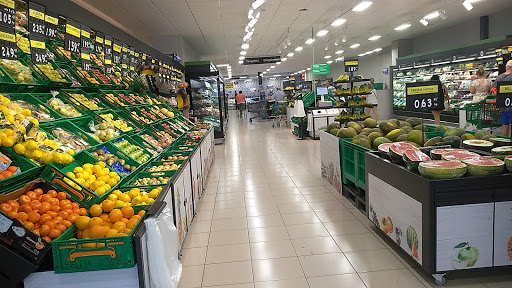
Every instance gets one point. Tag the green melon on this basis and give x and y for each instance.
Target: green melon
(417, 137)
(346, 133)
(487, 137)
(420, 127)
(433, 141)
(407, 129)
(404, 123)
(440, 169)
(374, 135)
(356, 126)
(453, 141)
(396, 151)
(412, 143)
(395, 121)
(360, 136)
(467, 136)
(334, 131)
(478, 145)
(508, 162)
(484, 166)
(394, 134)
(366, 130)
(441, 128)
(334, 125)
(479, 134)
(401, 138)
(413, 158)
(500, 142)
(370, 123)
(387, 127)
(365, 143)
(454, 132)
(413, 121)
(502, 150)
(380, 140)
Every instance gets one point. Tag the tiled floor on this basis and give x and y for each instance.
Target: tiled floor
(268, 220)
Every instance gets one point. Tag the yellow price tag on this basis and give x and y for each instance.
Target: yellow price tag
(51, 20)
(36, 14)
(7, 37)
(504, 89)
(86, 34)
(37, 44)
(85, 56)
(108, 61)
(99, 40)
(7, 3)
(117, 48)
(108, 42)
(423, 90)
(72, 30)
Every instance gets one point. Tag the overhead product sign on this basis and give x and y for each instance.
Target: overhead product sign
(8, 48)
(36, 16)
(321, 69)
(261, 60)
(351, 65)
(422, 96)
(7, 13)
(52, 24)
(72, 37)
(108, 54)
(85, 52)
(504, 96)
(99, 39)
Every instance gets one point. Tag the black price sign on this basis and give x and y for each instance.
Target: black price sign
(52, 24)
(117, 52)
(504, 95)
(108, 64)
(38, 49)
(7, 13)
(72, 38)
(86, 59)
(124, 55)
(36, 19)
(424, 96)
(98, 43)
(124, 72)
(351, 66)
(108, 45)
(8, 48)
(85, 38)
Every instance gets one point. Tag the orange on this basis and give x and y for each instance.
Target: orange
(61, 196)
(111, 233)
(56, 208)
(95, 221)
(107, 205)
(95, 210)
(63, 214)
(124, 220)
(127, 212)
(54, 233)
(6, 208)
(72, 218)
(104, 217)
(122, 234)
(82, 222)
(47, 239)
(22, 216)
(37, 232)
(29, 225)
(24, 199)
(45, 207)
(14, 204)
(74, 205)
(13, 214)
(107, 224)
(45, 218)
(85, 233)
(136, 217)
(115, 215)
(54, 201)
(132, 223)
(119, 226)
(46, 198)
(97, 232)
(52, 193)
(61, 227)
(32, 195)
(25, 208)
(34, 217)
(38, 191)
(79, 234)
(53, 214)
(51, 224)
(127, 231)
(82, 211)
(35, 204)
(67, 223)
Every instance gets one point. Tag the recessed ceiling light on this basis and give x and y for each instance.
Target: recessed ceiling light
(363, 5)
(298, 49)
(327, 56)
(264, 72)
(377, 49)
(284, 59)
(322, 32)
(339, 51)
(310, 41)
(278, 63)
(272, 67)
(424, 22)
(243, 52)
(240, 62)
(402, 26)
(374, 37)
(353, 46)
(245, 46)
(278, 75)
(338, 22)
(369, 52)
(361, 55)
(432, 15)
(241, 58)
(257, 4)
(290, 54)
(268, 70)
(308, 68)
(330, 62)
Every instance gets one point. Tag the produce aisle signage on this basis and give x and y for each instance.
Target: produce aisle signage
(321, 69)
(38, 49)
(98, 42)
(72, 37)
(261, 60)
(8, 47)
(108, 54)
(116, 56)
(351, 66)
(52, 24)
(229, 86)
(85, 53)
(7, 13)
(504, 96)
(424, 96)
(36, 20)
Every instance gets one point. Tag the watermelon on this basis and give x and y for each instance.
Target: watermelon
(503, 150)
(413, 158)
(384, 150)
(484, 166)
(458, 155)
(436, 154)
(440, 169)
(508, 162)
(396, 151)
(500, 142)
(478, 144)
(434, 141)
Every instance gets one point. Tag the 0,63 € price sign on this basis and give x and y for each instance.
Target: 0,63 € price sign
(7, 13)
(72, 37)
(36, 19)
(421, 96)
(38, 49)
(8, 48)
(504, 95)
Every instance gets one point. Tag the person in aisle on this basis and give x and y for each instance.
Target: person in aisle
(278, 95)
(240, 103)
(372, 98)
(182, 99)
(481, 86)
(437, 112)
(506, 113)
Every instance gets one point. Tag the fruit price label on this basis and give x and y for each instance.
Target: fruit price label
(504, 95)
(36, 19)
(85, 37)
(8, 47)
(117, 52)
(86, 59)
(108, 45)
(351, 66)
(38, 49)
(108, 64)
(72, 37)
(7, 13)
(52, 24)
(124, 72)
(421, 96)
(98, 42)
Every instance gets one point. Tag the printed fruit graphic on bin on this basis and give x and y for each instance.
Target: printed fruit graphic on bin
(166, 166)
(412, 241)
(51, 73)
(119, 165)
(132, 197)
(19, 72)
(151, 181)
(46, 214)
(97, 177)
(134, 151)
(465, 256)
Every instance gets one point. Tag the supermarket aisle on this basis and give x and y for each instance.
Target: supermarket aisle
(267, 219)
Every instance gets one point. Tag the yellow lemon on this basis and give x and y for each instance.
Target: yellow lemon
(78, 170)
(153, 194)
(8, 132)
(19, 149)
(100, 191)
(9, 118)
(125, 198)
(87, 166)
(71, 152)
(133, 193)
(38, 154)
(107, 187)
(31, 145)
(35, 122)
(112, 174)
(26, 112)
(119, 203)
(47, 159)
(145, 198)
(70, 175)
(117, 193)
(101, 163)
(8, 142)
(150, 201)
(112, 182)
(19, 118)
(112, 197)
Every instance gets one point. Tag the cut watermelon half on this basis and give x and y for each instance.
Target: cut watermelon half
(396, 151)
(484, 166)
(508, 162)
(384, 150)
(413, 158)
(440, 169)
(458, 155)
(437, 153)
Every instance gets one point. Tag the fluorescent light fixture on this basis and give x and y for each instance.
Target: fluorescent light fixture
(369, 52)
(245, 46)
(462, 60)
(258, 15)
(432, 15)
(424, 22)
(421, 66)
(247, 29)
(284, 59)
(277, 75)
(267, 70)
(402, 26)
(339, 52)
(467, 5)
(309, 68)
(298, 49)
(290, 54)
(447, 62)
(241, 58)
(243, 77)
(354, 46)
(340, 59)
(329, 62)
(272, 67)
(322, 32)
(374, 37)
(243, 52)
(361, 55)
(377, 49)
(327, 56)
(338, 22)
(240, 62)
(256, 4)
(249, 15)
(264, 72)
(488, 56)
(363, 5)
(310, 41)
(252, 22)
(278, 63)
(326, 48)
(442, 14)
(336, 43)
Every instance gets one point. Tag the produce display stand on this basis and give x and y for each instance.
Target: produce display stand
(444, 225)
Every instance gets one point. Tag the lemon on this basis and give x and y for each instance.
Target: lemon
(101, 163)
(47, 159)
(26, 112)
(153, 194)
(58, 157)
(112, 197)
(88, 166)
(78, 170)
(125, 198)
(145, 198)
(134, 193)
(107, 187)
(21, 129)
(8, 132)
(35, 122)
(112, 182)
(100, 191)
(150, 201)
(19, 149)
(81, 181)
(38, 154)
(112, 174)
(119, 203)
(31, 145)
(8, 142)
(70, 175)
(19, 117)
(9, 118)
(117, 193)
(71, 152)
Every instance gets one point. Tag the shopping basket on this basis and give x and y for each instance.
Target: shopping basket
(483, 114)
(278, 112)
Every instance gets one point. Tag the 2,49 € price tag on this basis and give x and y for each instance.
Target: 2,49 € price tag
(8, 48)
(421, 96)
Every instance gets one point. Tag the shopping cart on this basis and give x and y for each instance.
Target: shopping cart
(255, 107)
(483, 114)
(278, 113)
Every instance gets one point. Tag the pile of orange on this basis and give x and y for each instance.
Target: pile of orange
(46, 214)
(105, 221)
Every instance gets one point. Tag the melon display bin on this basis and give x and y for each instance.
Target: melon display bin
(444, 225)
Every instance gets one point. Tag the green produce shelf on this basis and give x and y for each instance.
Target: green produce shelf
(69, 126)
(45, 79)
(142, 175)
(29, 170)
(45, 97)
(28, 98)
(67, 94)
(130, 140)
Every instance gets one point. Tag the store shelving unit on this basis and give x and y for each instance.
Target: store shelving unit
(351, 96)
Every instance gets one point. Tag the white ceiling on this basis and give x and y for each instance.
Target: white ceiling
(215, 28)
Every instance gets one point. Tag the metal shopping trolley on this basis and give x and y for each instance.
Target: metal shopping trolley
(278, 113)
(255, 107)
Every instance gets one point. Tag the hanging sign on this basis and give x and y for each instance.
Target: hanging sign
(108, 54)
(38, 49)
(98, 42)
(85, 49)
(351, 66)
(52, 24)
(8, 47)
(504, 95)
(7, 13)
(320, 69)
(36, 19)
(424, 96)
(72, 37)
(116, 56)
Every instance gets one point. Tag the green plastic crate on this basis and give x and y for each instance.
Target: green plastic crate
(28, 98)
(158, 163)
(11, 85)
(101, 116)
(68, 95)
(83, 123)
(45, 79)
(117, 252)
(142, 175)
(119, 154)
(146, 145)
(29, 171)
(127, 138)
(483, 114)
(172, 153)
(110, 101)
(69, 126)
(44, 97)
